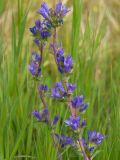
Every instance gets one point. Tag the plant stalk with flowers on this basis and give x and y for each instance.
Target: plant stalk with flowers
(63, 90)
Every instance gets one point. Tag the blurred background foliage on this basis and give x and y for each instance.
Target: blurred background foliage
(91, 33)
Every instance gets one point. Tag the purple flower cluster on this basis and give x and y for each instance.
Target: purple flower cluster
(78, 102)
(73, 122)
(64, 140)
(37, 114)
(63, 90)
(53, 16)
(41, 31)
(43, 88)
(64, 64)
(41, 116)
(34, 67)
(59, 91)
(70, 87)
(95, 137)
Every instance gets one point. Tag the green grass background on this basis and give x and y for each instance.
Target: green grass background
(91, 33)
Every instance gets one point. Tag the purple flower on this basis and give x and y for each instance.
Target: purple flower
(44, 11)
(45, 111)
(60, 55)
(68, 64)
(65, 64)
(83, 123)
(45, 34)
(34, 69)
(55, 93)
(68, 141)
(58, 91)
(38, 24)
(48, 24)
(61, 9)
(64, 140)
(56, 118)
(83, 107)
(37, 42)
(95, 137)
(37, 114)
(77, 101)
(33, 30)
(43, 88)
(73, 122)
(35, 57)
(91, 148)
(59, 86)
(41, 31)
(58, 7)
(43, 116)
(70, 87)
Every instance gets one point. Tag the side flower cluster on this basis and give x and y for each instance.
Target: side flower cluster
(41, 31)
(34, 66)
(43, 116)
(94, 139)
(64, 140)
(58, 91)
(64, 63)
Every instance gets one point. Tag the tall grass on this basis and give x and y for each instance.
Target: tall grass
(96, 73)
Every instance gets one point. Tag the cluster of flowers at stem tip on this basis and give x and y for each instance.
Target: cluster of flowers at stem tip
(63, 90)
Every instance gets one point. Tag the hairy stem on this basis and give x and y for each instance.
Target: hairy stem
(83, 150)
(41, 55)
(54, 46)
(42, 99)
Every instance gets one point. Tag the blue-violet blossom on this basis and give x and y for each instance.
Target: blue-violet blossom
(78, 102)
(53, 16)
(34, 67)
(37, 114)
(41, 31)
(43, 88)
(73, 122)
(95, 137)
(59, 92)
(64, 140)
(43, 116)
(56, 118)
